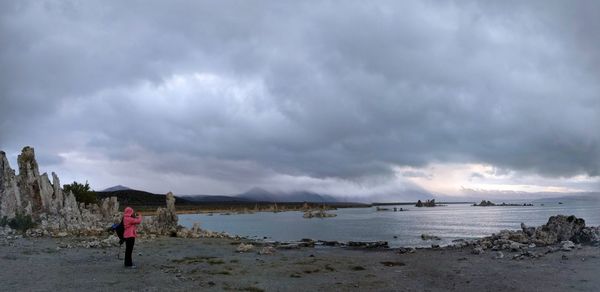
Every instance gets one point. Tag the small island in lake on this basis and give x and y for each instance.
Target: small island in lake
(428, 203)
(485, 203)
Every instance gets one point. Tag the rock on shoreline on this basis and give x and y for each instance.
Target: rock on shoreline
(559, 230)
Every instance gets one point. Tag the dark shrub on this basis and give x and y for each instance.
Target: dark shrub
(21, 222)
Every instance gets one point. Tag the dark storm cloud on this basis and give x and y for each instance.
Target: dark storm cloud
(322, 89)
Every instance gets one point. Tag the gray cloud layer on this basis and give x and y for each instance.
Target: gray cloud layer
(344, 90)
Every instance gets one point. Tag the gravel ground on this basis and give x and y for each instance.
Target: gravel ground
(176, 264)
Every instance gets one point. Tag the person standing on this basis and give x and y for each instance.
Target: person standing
(130, 222)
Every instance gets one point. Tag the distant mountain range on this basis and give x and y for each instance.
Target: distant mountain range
(253, 195)
(262, 195)
(136, 197)
(214, 198)
(116, 188)
(257, 194)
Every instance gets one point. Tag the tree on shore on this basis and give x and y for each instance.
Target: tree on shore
(83, 192)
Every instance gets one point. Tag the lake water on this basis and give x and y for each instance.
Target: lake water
(366, 224)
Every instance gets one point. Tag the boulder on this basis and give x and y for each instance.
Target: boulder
(112, 240)
(267, 250)
(515, 246)
(328, 243)
(485, 244)
(244, 247)
(403, 250)
(477, 250)
(559, 228)
(368, 244)
(588, 235)
(529, 231)
(567, 245)
(429, 237)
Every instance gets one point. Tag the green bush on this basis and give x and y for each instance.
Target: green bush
(83, 193)
(4, 221)
(21, 222)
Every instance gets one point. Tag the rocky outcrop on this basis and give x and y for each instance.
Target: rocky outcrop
(485, 203)
(10, 195)
(29, 182)
(317, 214)
(561, 230)
(428, 203)
(58, 214)
(30, 193)
(165, 221)
(58, 200)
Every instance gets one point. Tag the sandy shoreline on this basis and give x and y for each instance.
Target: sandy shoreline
(36, 264)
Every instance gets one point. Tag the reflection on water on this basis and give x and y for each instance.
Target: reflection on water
(366, 224)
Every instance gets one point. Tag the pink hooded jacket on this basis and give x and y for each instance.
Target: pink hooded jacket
(130, 223)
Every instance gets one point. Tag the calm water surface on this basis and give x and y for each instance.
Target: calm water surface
(367, 224)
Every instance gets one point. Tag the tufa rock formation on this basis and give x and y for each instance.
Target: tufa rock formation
(428, 203)
(485, 203)
(317, 214)
(30, 193)
(165, 221)
(10, 196)
(559, 229)
(59, 214)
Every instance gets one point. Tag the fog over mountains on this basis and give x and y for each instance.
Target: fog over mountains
(257, 194)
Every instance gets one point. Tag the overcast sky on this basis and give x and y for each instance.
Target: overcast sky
(349, 98)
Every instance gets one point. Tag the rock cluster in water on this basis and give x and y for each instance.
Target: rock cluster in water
(317, 214)
(428, 203)
(32, 194)
(485, 203)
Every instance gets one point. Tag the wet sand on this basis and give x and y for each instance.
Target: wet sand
(178, 264)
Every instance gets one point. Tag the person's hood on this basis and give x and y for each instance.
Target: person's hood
(128, 212)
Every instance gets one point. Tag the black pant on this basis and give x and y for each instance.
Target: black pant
(129, 242)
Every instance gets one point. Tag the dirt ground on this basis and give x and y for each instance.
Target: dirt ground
(175, 264)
